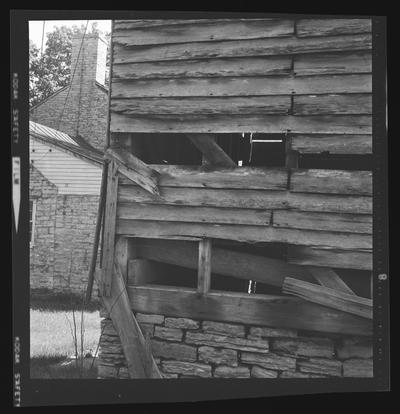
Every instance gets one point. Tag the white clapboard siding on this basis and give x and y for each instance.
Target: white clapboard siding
(70, 174)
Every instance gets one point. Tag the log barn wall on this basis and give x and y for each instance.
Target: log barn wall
(308, 78)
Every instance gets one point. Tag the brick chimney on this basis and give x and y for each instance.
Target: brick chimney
(80, 109)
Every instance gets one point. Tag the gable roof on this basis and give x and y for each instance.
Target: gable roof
(76, 146)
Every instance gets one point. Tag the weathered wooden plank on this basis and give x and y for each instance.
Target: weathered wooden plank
(125, 24)
(330, 279)
(135, 169)
(335, 144)
(201, 106)
(332, 182)
(248, 234)
(330, 27)
(348, 223)
(339, 258)
(215, 215)
(223, 262)
(349, 104)
(242, 48)
(213, 154)
(204, 267)
(184, 32)
(285, 312)
(109, 230)
(332, 298)
(273, 124)
(241, 86)
(132, 340)
(330, 64)
(253, 66)
(253, 199)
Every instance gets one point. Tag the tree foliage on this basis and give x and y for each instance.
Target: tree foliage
(51, 70)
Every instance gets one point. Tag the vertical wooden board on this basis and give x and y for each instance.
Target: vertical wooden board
(109, 229)
(204, 269)
(332, 27)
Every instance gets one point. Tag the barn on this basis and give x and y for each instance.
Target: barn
(237, 199)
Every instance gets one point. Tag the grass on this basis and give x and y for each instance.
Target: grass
(52, 342)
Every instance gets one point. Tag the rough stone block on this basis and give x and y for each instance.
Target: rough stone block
(258, 372)
(218, 356)
(358, 368)
(272, 332)
(145, 318)
(168, 376)
(187, 368)
(321, 366)
(296, 374)
(182, 323)
(223, 328)
(147, 328)
(231, 372)
(311, 347)
(222, 341)
(167, 350)
(169, 334)
(270, 361)
(355, 348)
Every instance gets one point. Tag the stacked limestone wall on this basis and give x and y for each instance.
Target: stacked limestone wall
(63, 237)
(187, 348)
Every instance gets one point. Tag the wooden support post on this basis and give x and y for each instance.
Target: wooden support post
(139, 359)
(292, 157)
(100, 213)
(212, 152)
(330, 279)
(109, 230)
(204, 270)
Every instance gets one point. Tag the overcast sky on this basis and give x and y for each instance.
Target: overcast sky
(36, 27)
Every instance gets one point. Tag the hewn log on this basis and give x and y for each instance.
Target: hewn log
(140, 363)
(285, 312)
(134, 169)
(334, 144)
(331, 64)
(202, 106)
(329, 27)
(329, 297)
(213, 154)
(183, 32)
(330, 279)
(215, 68)
(237, 48)
(247, 234)
(240, 86)
(314, 256)
(341, 104)
(271, 124)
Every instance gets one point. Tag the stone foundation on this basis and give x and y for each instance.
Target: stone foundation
(187, 348)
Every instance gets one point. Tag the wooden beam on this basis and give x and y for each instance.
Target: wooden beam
(109, 230)
(132, 340)
(99, 219)
(211, 151)
(329, 297)
(224, 262)
(267, 310)
(204, 269)
(330, 279)
(135, 169)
